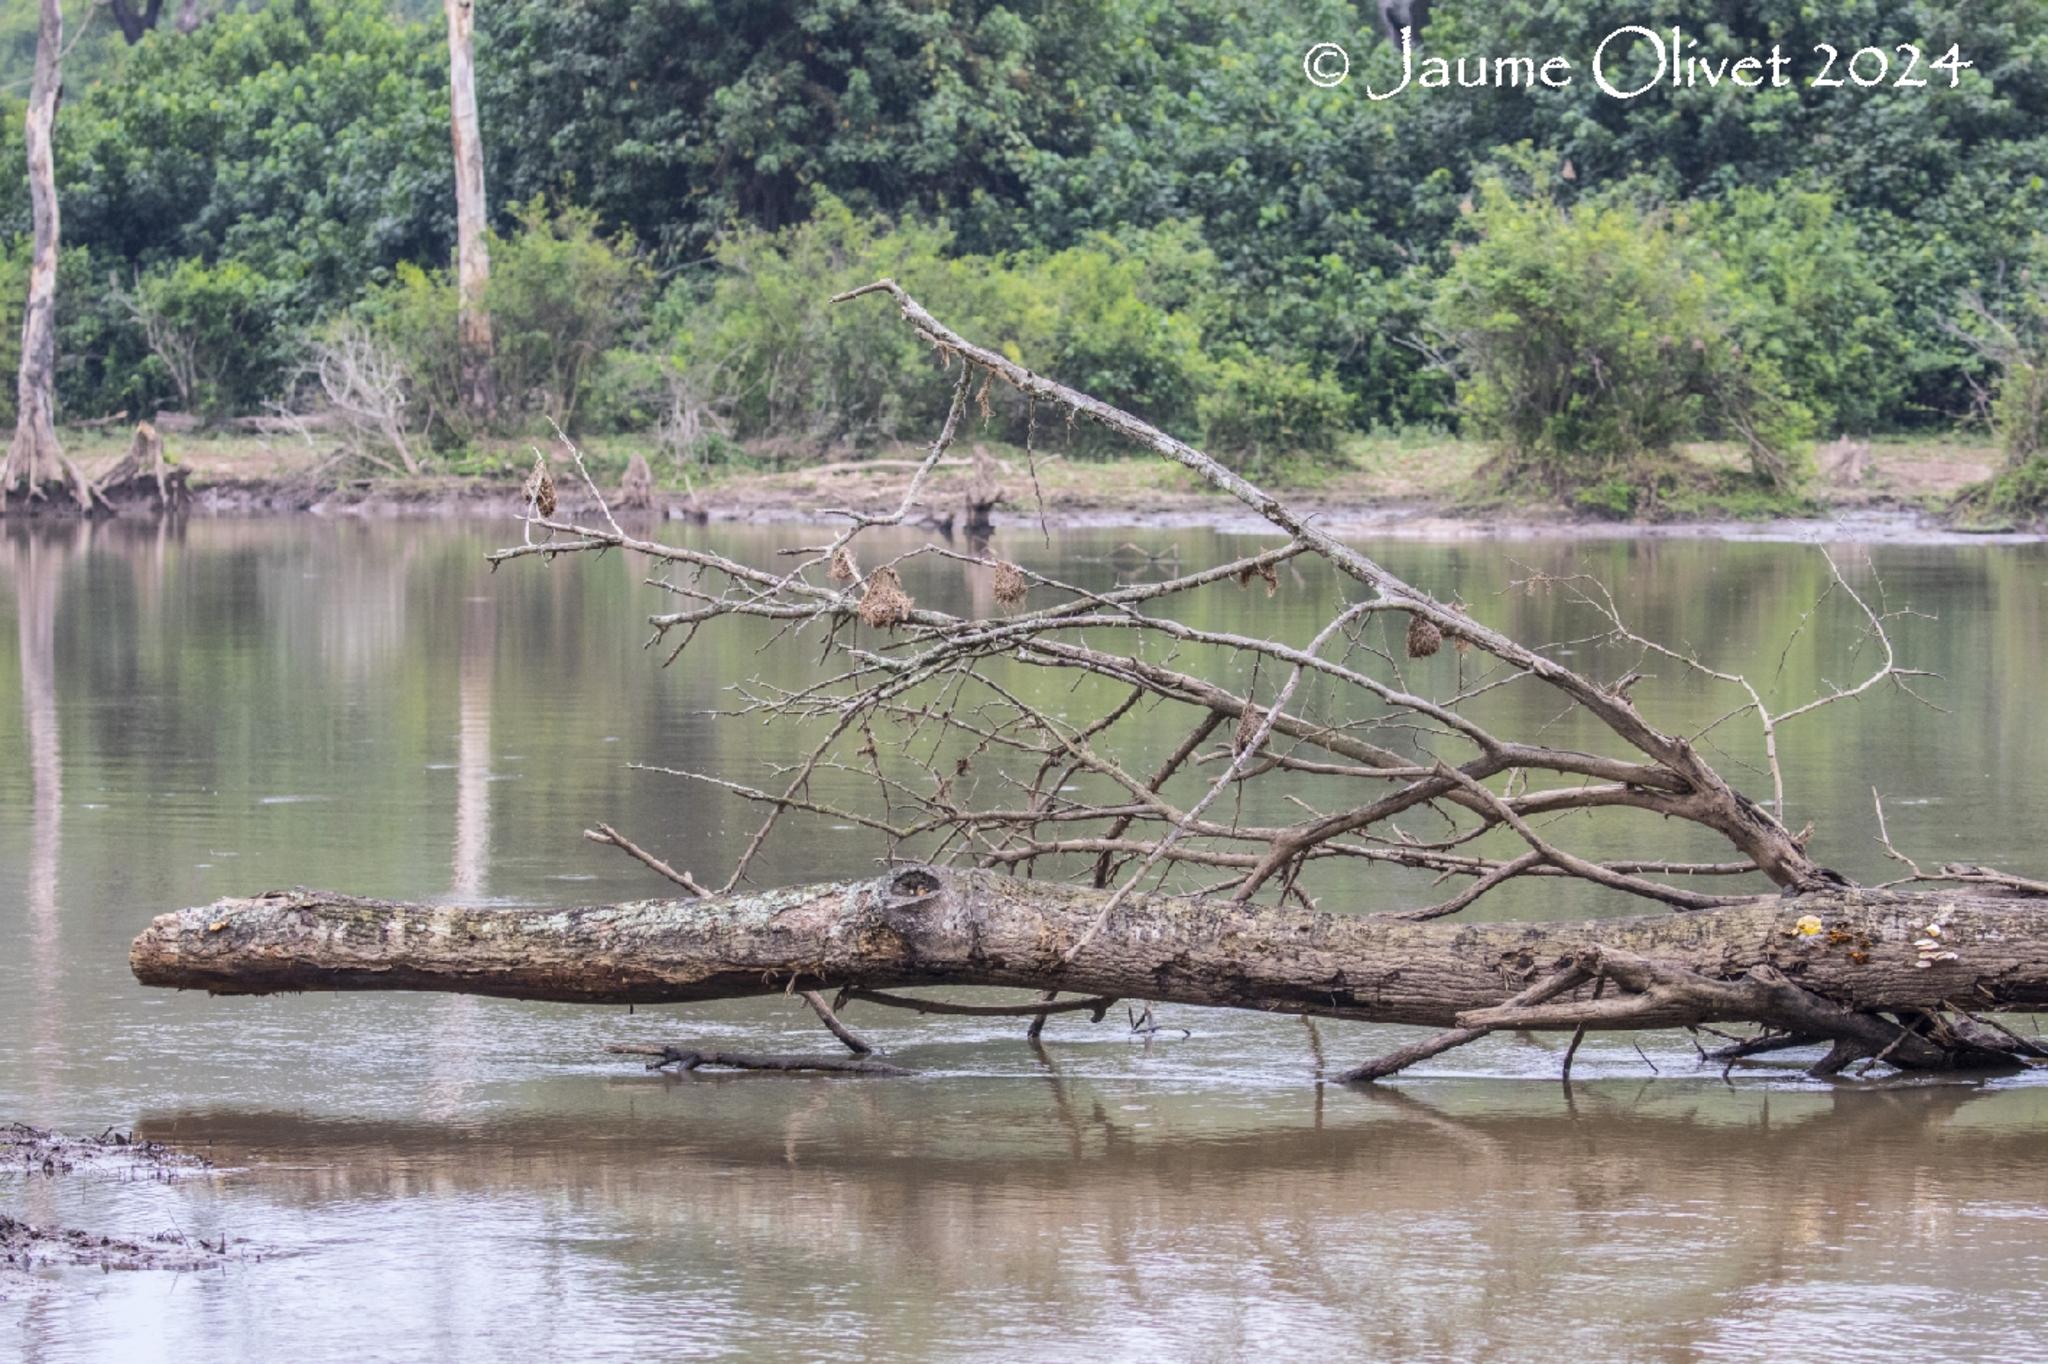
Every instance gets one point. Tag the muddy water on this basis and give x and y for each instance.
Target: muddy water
(240, 705)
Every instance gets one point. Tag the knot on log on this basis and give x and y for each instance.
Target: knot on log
(911, 885)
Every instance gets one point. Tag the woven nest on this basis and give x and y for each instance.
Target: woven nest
(540, 486)
(885, 605)
(1247, 729)
(1264, 572)
(1424, 638)
(1011, 584)
(843, 569)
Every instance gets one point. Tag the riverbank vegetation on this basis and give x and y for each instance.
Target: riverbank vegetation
(1146, 200)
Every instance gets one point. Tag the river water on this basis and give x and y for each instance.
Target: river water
(230, 706)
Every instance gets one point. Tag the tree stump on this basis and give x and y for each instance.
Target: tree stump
(143, 476)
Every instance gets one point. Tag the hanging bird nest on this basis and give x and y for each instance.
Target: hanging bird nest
(1424, 638)
(843, 569)
(885, 605)
(1011, 585)
(1263, 572)
(1247, 729)
(540, 486)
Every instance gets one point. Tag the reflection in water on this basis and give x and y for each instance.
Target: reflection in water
(247, 706)
(473, 749)
(1448, 1219)
(455, 1038)
(38, 563)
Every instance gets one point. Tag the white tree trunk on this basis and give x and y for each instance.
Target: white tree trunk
(472, 249)
(36, 466)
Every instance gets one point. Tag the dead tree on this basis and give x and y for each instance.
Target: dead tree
(36, 469)
(143, 476)
(472, 249)
(1031, 849)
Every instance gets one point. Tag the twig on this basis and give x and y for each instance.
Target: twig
(610, 837)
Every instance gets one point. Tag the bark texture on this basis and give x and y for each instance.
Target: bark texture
(472, 249)
(36, 469)
(924, 927)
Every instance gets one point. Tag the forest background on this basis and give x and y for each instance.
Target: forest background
(1148, 200)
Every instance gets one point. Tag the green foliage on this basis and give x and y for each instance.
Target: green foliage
(560, 296)
(220, 335)
(674, 118)
(1613, 498)
(307, 139)
(1264, 409)
(2014, 340)
(1599, 336)
(1122, 318)
(414, 319)
(759, 338)
(1813, 303)
(103, 360)
(1140, 196)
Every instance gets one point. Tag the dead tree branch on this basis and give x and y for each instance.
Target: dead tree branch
(1382, 752)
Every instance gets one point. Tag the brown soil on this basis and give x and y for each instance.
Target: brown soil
(1404, 486)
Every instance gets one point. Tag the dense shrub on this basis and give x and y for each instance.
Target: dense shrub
(1124, 318)
(1597, 336)
(561, 295)
(761, 335)
(2013, 338)
(1812, 301)
(103, 361)
(757, 334)
(222, 336)
(1259, 409)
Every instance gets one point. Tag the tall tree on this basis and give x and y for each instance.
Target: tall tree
(472, 251)
(35, 461)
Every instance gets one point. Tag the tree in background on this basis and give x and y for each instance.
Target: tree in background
(472, 247)
(1596, 338)
(36, 465)
(2013, 338)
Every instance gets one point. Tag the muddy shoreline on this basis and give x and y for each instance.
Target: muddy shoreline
(28, 1251)
(800, 499)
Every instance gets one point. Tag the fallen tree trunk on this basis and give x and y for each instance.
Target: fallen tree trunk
(1825, 962)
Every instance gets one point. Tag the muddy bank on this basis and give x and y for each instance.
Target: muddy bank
(30, 1154)
(1395, 487)
(768, 499)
